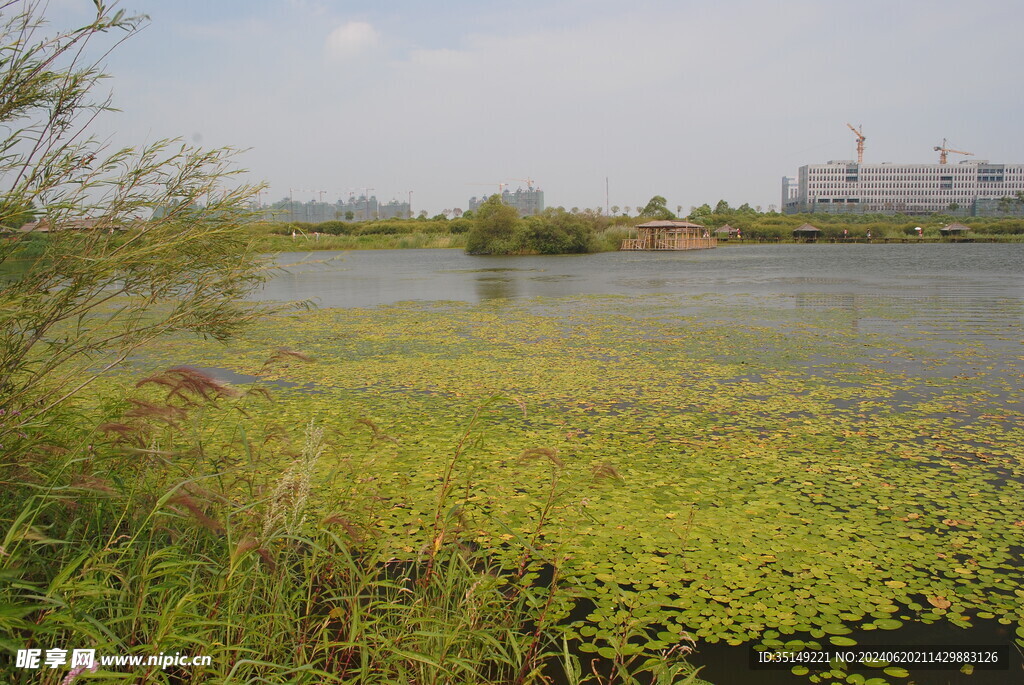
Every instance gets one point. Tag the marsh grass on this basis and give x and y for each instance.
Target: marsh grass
(171, 527)
(267, 241)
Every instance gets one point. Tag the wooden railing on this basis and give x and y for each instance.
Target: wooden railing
(680, 242)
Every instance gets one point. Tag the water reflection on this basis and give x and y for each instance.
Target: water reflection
(979, 272)
(490, 287)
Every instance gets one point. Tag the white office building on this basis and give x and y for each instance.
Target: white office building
(972, 188)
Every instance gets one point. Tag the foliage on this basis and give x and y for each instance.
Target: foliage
(497, 229)
(15, 214)
(93, 295)
(494, 230)
(557, 232)
(657, 208)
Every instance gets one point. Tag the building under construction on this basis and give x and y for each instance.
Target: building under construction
(528, 202)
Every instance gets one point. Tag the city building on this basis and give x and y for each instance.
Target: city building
(528, 202)
(970, 188)
(360, 208)
(790, 192)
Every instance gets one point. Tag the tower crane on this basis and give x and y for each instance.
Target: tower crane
(501, 186)
(944, 150)
(529, 182)
(860, 142)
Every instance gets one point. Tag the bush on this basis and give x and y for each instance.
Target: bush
(459, 226)
(557, 232)
(494, 230)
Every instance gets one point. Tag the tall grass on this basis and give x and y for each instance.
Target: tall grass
(147, 534)
(270, 242)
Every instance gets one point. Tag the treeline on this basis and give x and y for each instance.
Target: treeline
(498, 229)
(757, 225)
(379, 227)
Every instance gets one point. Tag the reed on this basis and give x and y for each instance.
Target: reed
(156, 544)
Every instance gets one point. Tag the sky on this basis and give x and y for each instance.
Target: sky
(694, 100)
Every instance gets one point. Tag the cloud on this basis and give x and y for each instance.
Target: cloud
(351, 39)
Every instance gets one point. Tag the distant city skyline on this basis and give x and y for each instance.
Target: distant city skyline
(694, 101)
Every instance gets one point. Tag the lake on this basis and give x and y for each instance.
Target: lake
(968, 273)
(842, 423)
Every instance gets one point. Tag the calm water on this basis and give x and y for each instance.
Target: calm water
(971, 273)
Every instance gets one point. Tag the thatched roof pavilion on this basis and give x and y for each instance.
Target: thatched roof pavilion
(806, 232)
(954, 229)
(726, 230)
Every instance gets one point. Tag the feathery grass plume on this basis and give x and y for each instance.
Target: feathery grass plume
(141, 409)
(244, 546)
(548, 453)
(287, 508)
(93, 483)
(196, 510)
(180, 380)
(283, 356)
(378, 434)
(259, 390)
(605, 471)
(125, 433)
(353, 531)
(115, 427)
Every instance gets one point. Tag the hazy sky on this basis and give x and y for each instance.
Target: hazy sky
(695, 100)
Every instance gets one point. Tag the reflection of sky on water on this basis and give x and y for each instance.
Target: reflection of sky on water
(828, 275)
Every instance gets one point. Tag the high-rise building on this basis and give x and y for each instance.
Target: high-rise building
(528, 202)
(790, 193)
(360, 208)
(972, 188)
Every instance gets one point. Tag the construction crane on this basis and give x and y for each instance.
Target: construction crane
(860, 142)
(529, 182)
(943, 151)
(501, 186)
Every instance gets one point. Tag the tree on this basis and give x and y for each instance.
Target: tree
(722, 207)
(657, 208)
(557, 232)
(701, 215)
(114, 274)
(615, 209)
(495, 228)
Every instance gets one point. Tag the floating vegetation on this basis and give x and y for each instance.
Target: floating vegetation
(734, 470)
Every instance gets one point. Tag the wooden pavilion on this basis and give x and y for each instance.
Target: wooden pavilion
(806, 232)
(670, 235)
(954, 229)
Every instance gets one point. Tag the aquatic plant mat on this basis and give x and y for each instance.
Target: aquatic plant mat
(739, 469)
